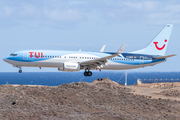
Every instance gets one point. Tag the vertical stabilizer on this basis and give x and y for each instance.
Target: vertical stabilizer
(159, 44)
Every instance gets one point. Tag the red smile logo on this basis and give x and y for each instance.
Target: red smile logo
(159, 47)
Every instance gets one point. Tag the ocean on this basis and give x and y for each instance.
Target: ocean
(58, 78)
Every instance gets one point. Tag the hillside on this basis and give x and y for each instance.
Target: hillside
(99, 100)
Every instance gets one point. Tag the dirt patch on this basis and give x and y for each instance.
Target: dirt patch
(99, 100)
(172, 92)
(160, 85)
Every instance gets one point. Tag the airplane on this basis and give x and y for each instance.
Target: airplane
(71, 61)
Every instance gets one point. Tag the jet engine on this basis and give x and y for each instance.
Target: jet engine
(69, 66)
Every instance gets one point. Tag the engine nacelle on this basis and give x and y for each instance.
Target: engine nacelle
(69, 66)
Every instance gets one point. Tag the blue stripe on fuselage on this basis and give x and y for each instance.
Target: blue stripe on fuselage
(129, 58)
(135, 56)
(135, 61)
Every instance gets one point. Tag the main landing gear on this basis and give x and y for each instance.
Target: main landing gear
(87, 72)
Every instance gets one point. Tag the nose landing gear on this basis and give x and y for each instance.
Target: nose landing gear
(87, 72)
(20, 71)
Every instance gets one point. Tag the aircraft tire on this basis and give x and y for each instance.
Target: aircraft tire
(85, 73)
(20, 71)
(89, 73)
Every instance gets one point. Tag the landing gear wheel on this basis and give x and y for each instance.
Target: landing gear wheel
(85, 73)
(89, 73)
(20, 71)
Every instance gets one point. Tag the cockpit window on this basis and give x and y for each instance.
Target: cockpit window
(13, 54)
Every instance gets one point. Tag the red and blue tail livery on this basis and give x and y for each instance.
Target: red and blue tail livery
(151, 55)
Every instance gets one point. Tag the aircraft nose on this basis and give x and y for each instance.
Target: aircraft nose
(5, 59)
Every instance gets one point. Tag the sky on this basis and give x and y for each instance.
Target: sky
(87, 25)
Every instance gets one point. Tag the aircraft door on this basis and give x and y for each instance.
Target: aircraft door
(25, 56)
(76, 58)
(141, 59)
(80, 58)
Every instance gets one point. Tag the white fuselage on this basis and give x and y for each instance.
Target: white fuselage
(56, 59)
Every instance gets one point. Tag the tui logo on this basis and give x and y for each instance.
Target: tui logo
(40, 54)
(160, 48)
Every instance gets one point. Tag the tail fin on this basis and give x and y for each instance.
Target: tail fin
(159, 44)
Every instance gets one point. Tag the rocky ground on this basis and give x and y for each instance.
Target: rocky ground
(100, 100)
(171, 93)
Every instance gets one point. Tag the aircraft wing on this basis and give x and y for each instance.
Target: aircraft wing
(101, 61)
(163, 57)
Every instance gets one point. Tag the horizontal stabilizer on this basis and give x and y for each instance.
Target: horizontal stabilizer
(162, 57)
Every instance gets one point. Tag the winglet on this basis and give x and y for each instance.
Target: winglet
(121, 49)
(102, 49)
